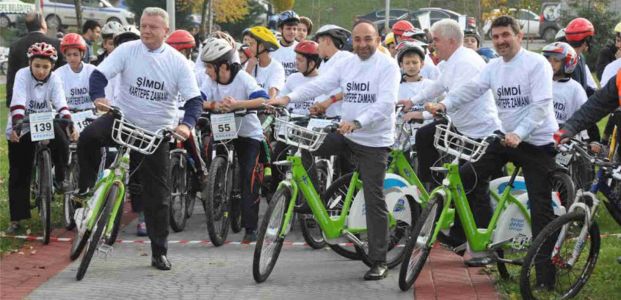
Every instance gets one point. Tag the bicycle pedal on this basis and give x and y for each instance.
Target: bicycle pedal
(104, 250)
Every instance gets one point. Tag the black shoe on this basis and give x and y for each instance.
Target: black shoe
(250, 236)
(377, 272)
(161, 262)
(478, 261)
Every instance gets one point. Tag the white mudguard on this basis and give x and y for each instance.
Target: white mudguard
(395, 189)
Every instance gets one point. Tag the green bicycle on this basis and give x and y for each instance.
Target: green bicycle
(509, 230)
(97, 221)
(335, 225)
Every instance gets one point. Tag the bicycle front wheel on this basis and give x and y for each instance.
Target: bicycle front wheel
(419, 245)
(269, 241)
(45, 194)
(98, 231)
(563, 275)
(216, 198)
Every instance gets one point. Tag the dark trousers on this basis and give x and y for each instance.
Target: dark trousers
(21, 160)
(152, 170)
(247, 155)
(371, 162)
(426, 153)
(280, 153)
(537, 163)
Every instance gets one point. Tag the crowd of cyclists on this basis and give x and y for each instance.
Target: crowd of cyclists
(536, 100)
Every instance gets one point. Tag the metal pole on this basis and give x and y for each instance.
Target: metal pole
(38, 7)
(387, 16)
(170, 8)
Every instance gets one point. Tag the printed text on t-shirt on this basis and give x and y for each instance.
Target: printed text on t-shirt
(148, 89)
(511, 97)
(358, 92)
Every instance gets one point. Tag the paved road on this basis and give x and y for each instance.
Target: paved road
(206, 272)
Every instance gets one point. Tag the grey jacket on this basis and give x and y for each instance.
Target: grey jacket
(603, 102)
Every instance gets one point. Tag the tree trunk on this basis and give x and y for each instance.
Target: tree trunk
(201, 31)
(78, 14)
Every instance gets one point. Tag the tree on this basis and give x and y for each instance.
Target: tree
(78, 13)
(282, 5)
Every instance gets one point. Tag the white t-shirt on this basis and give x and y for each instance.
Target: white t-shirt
(568, 97)
(610, 71)
(523, 92)
(335, 109)
(31, 96)
(272, 76)
(286, 56)
(370, 90)
(476, 119)
(409, 90)
(430, 70)
(149, 81)
(300, 106)
(180, 100)
(76, 86)
(242, 88)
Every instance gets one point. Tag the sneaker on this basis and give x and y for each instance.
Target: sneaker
(13, 228)
(141, 229)
(250, 236)
(378, 271)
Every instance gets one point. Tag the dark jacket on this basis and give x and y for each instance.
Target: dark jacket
(18, 58)
(580, 75)
(606, 56)
(602, 103)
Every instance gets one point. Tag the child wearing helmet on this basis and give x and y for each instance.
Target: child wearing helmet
(411, 58)
(389, 43)
(267, 71)
(75, 74)
(418, 36)
(107, 36)
(288, 22)
(231, 89)
(37, 89)
(182, 41)
(579, 34)
(399, 28)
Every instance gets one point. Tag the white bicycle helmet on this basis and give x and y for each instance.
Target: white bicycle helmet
(110, 28)
(127, 33)
(217, 50)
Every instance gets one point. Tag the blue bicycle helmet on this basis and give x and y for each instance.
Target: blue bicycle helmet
(288, 17)
(487, 53)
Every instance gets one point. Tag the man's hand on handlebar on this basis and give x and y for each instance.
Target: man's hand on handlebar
(562, 136)
(278, 101)
(347, 127)
(102, 104)
(416, 116)
(183, 130)
(512, 140)
(407, 104)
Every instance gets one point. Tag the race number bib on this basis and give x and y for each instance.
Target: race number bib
(563, 159)
(42, 126)
(82, 119)
(223, 127)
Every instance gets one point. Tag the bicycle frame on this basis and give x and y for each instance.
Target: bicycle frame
(452, 190)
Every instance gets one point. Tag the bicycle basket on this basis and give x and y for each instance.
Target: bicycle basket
(135, 138)
(458, 145)
(297, 136)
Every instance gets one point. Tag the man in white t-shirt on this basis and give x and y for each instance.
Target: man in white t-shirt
(370, 88)
(152, 75)
(610, 71)
(522, 84)
(288, 22)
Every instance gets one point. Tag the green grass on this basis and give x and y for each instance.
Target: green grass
(33, 225)
(604, 283)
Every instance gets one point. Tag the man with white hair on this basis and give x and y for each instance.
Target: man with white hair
(477, 120)
(153, 74)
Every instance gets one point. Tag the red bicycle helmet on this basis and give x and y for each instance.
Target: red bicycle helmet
(42, 50)
(401, 26)
(72, 40)
(563, 52)
(579, 29)
(309, 50)
(181, 39)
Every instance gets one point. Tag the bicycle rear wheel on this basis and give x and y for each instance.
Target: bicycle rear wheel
(546, 277)
(45, 194)
(72, 186)
(178, 189)
(269, 243)
(217, 205)
(98, 231)
(418, 246)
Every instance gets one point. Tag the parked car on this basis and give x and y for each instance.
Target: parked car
(11, 10)
(549, 20)
(394, 13)
(62, 13)
(419, 20)
(528, 20)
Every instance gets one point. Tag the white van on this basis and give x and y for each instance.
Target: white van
(62, 13)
